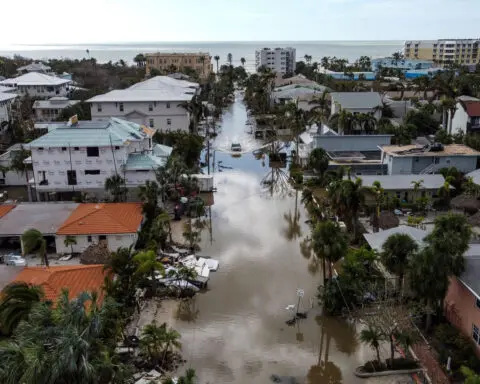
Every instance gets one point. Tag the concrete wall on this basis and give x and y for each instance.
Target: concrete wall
(406, 165)
(461, 309)
(459, 121)
(114, 242)
(350, 142)
(139, 112)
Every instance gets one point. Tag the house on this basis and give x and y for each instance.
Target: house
(294, 80)
(377, 239)
(79, 157)
(421, 160)
(300, 94)
(74, 278)
(357, 102)
(475, 175)
(35, 67)
(6, 102)
(155, 103)
(116, 224)
(10, 177)
(466, 117)
(402, 186)
(38, 85)
(51, 109)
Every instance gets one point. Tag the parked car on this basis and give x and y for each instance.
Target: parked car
(15, 260)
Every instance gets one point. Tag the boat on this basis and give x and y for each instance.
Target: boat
(236, 147)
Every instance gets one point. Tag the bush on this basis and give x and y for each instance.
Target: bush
(398, 364)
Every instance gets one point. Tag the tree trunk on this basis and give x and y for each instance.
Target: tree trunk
(45, 257)
(392, 350)
(330, 271)
(400, 283)
(378, 354)
(444, 119)
(324, 268)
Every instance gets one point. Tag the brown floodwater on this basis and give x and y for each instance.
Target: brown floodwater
(235, 332)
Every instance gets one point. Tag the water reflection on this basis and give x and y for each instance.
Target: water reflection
(187, 310)
(293, 230)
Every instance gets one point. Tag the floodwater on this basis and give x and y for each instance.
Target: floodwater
(235, 332)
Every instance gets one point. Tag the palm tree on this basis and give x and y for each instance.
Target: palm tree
(445, 189)
(195, 110)
(18, 299)
(243, 61)
(217, 58)
(397, 250)
(448, 105)
(147, 265)
(115, 185)
(329, 243)
(321, 103)
(171, 339)
(297, 122)
(373, 337)
(343, 121)
(318, 161)
(152, 340)
(32, 239)
(163, 220)
(229, 59)
(70, 241)
(379, 194)
(417, 185)
(18, 164)
(148, 194)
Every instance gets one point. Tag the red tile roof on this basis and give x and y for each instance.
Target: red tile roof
(75, 278)
(472, 108)
(104, 218)
(4, 209)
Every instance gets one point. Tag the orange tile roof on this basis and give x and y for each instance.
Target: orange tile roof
(4, 209)
(75, 278)
(104, 218)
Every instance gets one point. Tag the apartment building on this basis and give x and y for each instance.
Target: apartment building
(279, 60)
(201, 62)
(79, 156)
(38, 85)
(50, 110)
(155, 103)
(444, 51)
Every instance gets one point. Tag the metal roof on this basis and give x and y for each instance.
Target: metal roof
(35, 78)
(471, 276)
(160, 82)
(475, 175)
(7, 96)
(34, 67)
(403, 182)
(357, 100)
(92, 133)
(144, 161)
(376, 240)
(126, 95)
(58, 103)
(162, 150)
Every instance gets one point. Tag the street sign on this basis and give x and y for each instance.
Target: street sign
(300, 292)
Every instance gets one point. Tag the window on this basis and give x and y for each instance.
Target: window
(436, 160)
(89, 239)
(40, 148)
(120, 106)
(92, 172)
(117, 147)
(72, 177)
(92, 152)
(169, 121)
(475, 334)
(150, 107)
(64, 148)
(99, 107)
(76, 148)
(477, 303)
(151, 123)
(102, 237)
(168, 105)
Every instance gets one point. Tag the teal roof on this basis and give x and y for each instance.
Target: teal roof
(144, 161)
(92, 134)
(162, 150)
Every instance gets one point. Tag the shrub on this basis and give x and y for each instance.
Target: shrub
(297, 175)
(398, 364)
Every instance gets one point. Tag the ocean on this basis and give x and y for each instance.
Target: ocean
(350, 50)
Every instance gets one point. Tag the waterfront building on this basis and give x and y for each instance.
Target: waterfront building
(444, 51)
(466, 117)
(79, 156)
(357, 102)
(38, 85)
(402, 64)
(279, 60)
(155, 103)
(51, 109)
(427, 159)
(35, 67)
(201, 62)
(362, 76)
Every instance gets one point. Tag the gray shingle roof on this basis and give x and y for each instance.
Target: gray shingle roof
(357, 100)
(475, 175)
(376, 240)
(403, 182)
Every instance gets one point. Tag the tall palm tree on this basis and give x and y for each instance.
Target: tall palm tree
(321, 103)
(373, 337)
(171, 339)
(445, 190)
(18, 298)
(217, 59)
(70, 241)
(148, 195)
(163, 220)
(379, 194)
(329, 243)
(152, 340)
(417, 185)
(397, 250)
(297, 123)
(147, 265)
(33, 240)
(293, 230)
(115, 185)
(243, 61)
(318, 161)
(343, 121)
(229, 59)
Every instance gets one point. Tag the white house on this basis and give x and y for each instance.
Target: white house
(35, 67)
(79, 157)
(116, 224)
(466, 117)
(38, 85)
(50, 110)
(300, 94)
(279, 60)
(154, 103)
(6, 101)
(357, 102)
(7, 176)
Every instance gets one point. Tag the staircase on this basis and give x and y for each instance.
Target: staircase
(428, 170)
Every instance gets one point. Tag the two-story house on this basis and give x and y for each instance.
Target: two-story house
(466, 117)
(79, 157)
(35, 67)
(51, 109)
(38, 85)
(417, 159)
(9, 177)
(156, 103)
(7, 98)
(357, 102)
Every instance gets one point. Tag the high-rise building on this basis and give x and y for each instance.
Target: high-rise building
(444, 51)
(201, 62)
(280, 60)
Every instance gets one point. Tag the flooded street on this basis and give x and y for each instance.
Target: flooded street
(236, 332)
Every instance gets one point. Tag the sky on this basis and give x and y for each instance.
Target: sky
(108, 21)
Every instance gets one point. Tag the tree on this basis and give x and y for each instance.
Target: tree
(379, 194)
(33, 240)
(189, 378)
(417, 185)
(373, 337)
(195, 109)
(148, 266)
(243, 61)
(18, 162)
(471, 376)
(148, 194)
(122, 265)
(171, 339)
(216, 58)
(229, 59)
(343, 121)
(397, 251)
(318, 161)
(329, 243)
(140, 60)
(18, 298)
(70, 241)
(115, 185)
(153, 337)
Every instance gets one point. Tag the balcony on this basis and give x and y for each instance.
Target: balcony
(43, 182)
